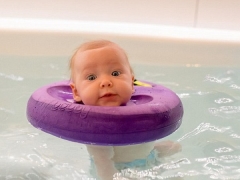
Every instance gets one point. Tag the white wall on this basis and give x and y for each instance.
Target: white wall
(221, 14)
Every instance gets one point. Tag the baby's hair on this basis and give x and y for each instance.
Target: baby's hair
(95, 45)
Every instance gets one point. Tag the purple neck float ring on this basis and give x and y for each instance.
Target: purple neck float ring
(152, 113)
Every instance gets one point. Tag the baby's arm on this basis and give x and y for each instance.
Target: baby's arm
(102, 156)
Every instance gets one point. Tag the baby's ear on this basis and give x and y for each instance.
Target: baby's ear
(133, 90)
(76, 96)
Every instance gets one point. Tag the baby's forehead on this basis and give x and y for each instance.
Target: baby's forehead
(88, 56)
(111, 50)
(113, 47)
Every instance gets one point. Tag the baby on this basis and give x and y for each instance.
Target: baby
(101, 75)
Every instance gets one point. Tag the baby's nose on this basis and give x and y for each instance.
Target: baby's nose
(106, 83)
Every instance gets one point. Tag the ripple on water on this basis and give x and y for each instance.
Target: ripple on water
(226, 111)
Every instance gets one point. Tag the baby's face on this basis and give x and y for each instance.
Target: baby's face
(102, 77)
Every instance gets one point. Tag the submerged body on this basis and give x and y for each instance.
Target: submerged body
(101, 76)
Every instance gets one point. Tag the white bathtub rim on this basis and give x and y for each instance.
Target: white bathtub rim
(119, 29)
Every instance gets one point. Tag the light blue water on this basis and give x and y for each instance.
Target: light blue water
(209, 134)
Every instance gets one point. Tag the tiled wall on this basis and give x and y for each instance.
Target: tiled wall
(221, 14)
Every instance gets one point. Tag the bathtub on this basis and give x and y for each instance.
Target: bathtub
(200, 65)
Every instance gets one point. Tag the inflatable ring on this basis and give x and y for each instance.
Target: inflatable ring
(152, 113)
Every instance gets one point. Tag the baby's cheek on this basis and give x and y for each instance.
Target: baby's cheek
(127, 97)
(89, 100)
(88, 95)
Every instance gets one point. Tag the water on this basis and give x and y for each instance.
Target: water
(209, 134)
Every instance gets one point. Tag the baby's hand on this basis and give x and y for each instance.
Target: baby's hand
(167, 148)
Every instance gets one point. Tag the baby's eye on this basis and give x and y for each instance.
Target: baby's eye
(91, 77)
(116, 73)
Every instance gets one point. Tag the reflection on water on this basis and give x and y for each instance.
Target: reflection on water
(209, 134)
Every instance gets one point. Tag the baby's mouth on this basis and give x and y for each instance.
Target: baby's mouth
(108, 95)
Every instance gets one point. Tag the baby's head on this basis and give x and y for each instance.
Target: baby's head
(101, 74)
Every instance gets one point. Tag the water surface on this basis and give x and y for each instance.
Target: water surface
(209, 134)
